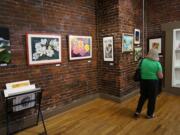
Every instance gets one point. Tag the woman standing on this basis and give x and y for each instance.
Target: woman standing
(151, 72)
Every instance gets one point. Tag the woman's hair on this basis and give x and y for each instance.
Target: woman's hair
(153, 54)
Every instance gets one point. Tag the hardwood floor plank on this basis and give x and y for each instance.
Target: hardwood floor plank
(105, 117)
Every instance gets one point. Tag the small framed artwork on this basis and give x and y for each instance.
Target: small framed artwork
(137, 53)
(43, 48)
(127, 42)
(5, 52)
(136, 36)
(155, 43)
(80, 47)
(108, 49)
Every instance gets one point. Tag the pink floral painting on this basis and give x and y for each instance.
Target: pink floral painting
(80, 47)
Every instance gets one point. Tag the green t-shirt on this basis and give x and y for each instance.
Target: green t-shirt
(150, 68)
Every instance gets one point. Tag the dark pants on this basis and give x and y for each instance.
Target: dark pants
(148, 91)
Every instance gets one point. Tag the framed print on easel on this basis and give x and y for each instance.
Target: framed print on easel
(108, 49)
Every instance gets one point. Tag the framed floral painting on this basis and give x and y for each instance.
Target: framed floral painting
(43, 49)
(80, 47)
(156, 43)
(108, 48)
(127, 42)
(5, 50)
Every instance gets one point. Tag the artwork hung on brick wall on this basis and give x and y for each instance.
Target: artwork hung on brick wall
(43, 48)
(155, 43)
(127, 42)
(5, 52)
(80, 47)
(137, 53)
(108, 48)
(136, 36)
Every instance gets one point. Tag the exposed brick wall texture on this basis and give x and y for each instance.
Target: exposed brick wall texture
(161, 12)
(72, 79)
(114, 18)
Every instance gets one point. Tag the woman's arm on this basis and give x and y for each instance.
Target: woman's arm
(160, 75)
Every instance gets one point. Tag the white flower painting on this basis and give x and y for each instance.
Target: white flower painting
(43, 49)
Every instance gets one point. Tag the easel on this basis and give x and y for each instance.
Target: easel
(9, 108)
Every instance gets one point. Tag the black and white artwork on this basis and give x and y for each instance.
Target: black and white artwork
(5, 53)
(24, 101)
(108, 48)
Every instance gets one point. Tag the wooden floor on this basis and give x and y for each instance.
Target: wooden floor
(105, 117)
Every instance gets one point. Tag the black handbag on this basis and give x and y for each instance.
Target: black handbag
(137, 74)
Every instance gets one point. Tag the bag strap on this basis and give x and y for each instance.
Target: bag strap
(140, 63)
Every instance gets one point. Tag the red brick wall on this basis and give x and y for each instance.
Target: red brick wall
(68, 82)
(114, 18)
(161, 12)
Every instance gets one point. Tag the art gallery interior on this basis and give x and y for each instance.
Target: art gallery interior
(67, 66)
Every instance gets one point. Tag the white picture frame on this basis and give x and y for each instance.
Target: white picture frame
(108, 48)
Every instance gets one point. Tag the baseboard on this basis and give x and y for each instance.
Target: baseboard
(119, 99)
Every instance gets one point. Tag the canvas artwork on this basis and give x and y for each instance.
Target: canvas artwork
(136, 36)
(155, 43)
(127, 42)
(43, 49)
(137, 53)
(5, 52)
(108, 48)
(80, 47)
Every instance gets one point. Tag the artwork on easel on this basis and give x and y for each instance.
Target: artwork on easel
(5, 52)
(108, 48)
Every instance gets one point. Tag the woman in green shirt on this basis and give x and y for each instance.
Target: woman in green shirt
(151, 72)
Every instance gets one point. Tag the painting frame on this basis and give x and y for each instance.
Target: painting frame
(80, 47)
(155, 42)
(5, 46)
(137, 36)
(137, 53)
(43, 48)
(108, 48)
(127, 42)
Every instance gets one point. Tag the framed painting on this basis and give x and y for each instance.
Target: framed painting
(136, 36)
(137, 53)
(127, 42)
(43, 48)
(155, 43)
(5, 52)
(80, 47)
(108, 49)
